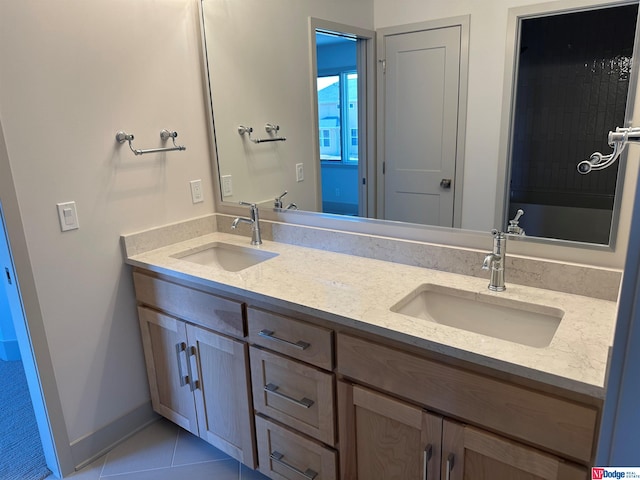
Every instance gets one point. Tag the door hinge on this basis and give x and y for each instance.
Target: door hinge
(384, 167)
(8, 275)
(364, 181)
(383, 62)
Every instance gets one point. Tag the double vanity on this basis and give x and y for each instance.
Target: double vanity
(306, 363)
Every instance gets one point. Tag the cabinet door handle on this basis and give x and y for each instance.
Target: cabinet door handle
(278, 458)
(450, 462)
(270, 334)
(428, 452)
(181, 347)
(271, 388)
(193, 383)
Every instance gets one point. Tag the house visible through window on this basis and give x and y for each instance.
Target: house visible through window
(342, 174)
(338, 125)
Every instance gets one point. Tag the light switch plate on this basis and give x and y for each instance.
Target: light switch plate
(299, 172)
(68, 216)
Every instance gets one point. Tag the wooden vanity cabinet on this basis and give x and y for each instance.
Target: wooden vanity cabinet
(284, 454)
(382, 438)
(472, 453)
(304, 398)
(375, 427)
(294, 396)
(387, 439)
(198, 378)
(165, 344)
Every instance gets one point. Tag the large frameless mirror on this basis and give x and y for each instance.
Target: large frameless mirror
(331, 149)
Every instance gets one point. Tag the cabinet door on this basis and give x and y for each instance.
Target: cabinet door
(472, 454)
(386, 439)
(225, 416)
(165, 350)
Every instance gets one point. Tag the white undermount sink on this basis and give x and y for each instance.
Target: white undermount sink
(226, 256)
(491, 315)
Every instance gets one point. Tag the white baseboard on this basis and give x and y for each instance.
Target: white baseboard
(88, 448)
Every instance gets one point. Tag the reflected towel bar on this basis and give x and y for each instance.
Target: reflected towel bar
(121, 137)
(618, 140)
(270, 128)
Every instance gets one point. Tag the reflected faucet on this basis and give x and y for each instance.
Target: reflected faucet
(278, 202)
(495, 261)
(513, 227)
(254, 221)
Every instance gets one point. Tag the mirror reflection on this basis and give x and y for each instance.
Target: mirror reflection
(569, 91)
(338, 126)
(431, 154)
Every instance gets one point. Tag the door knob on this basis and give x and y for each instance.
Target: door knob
(445, 183)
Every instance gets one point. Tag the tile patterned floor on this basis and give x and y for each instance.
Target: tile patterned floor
(163, 451)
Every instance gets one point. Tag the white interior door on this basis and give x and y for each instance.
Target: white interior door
(421, 95)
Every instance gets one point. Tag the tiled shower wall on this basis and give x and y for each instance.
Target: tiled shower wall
(573, 79)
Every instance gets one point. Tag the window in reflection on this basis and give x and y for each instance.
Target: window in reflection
(338, 122)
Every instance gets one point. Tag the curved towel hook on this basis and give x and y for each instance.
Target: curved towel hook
(122, 137)
(618, 140)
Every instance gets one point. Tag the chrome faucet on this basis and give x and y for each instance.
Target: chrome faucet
(278, 202)
(254, 221)
(495, 261)
(513, 227)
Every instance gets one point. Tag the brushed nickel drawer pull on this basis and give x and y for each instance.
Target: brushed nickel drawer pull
(271, 388)
(181, 347)
(428, 452)
(194, 384)
(278, 458)
(450, 462)
(270, 334)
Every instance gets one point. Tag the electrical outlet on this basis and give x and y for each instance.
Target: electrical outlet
(196, 191)
(337, 192)
(299, 172)
(227, 186)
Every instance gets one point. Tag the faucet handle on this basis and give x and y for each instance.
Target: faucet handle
(513, 227)
(248, 204)
(278, 200)
(519, 213)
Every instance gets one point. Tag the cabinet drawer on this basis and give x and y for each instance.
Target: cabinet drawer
(210, 311)
(293, 393)
(534, 417)
(285, 455)
(297, 339)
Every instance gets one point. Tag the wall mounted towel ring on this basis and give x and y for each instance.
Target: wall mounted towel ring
(122, 137)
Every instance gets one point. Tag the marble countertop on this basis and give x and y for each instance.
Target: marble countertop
(359, 292)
